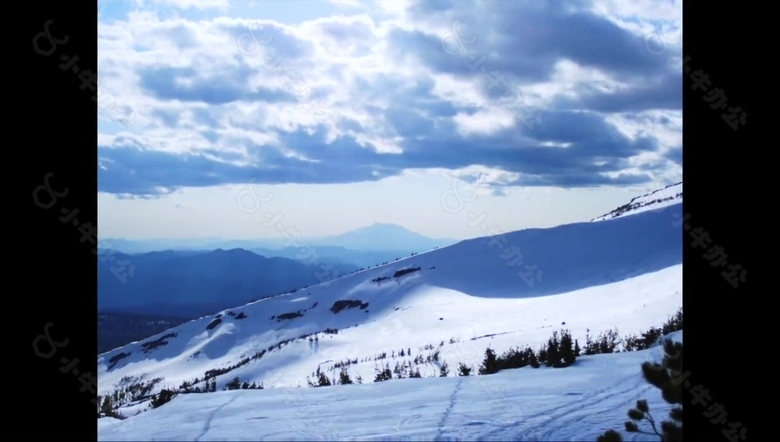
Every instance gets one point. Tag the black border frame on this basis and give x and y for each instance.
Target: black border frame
(719, 199)
(58, 273)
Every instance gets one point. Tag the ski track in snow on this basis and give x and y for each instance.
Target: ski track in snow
(207, 424)
(450, 406)
(569, 413)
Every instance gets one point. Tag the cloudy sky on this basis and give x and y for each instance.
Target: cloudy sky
(339, 114)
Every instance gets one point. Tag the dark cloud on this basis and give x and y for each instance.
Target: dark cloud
(525, 39)
(131, 170)
(228, 86)
(663, 92)
(595, 148)
(675, 155)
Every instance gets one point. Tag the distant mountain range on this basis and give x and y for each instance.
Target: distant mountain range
(389, 238)
(191, 284)
(186, 279)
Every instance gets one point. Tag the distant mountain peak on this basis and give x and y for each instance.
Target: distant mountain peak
(384, 236)
(386, 226)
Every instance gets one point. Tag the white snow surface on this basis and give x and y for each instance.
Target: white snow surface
(623, 273)
(659, 199)
(545, 404)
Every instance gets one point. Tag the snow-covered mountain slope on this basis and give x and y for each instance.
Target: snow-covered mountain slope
(456, 300)
(576, 403)
(656, 200)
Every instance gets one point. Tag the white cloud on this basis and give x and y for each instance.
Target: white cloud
(356, 67)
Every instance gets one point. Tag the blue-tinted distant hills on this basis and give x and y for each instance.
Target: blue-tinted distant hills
(189, 284)
(367, 246)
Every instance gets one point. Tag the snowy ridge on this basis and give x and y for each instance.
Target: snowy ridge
(656, 200)
(456, 293)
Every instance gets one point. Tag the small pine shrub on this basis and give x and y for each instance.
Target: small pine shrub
(490, 363)
(444, 370)
(606, 342)
(464, 370)
(323, 381)
(383, 374)
(234, 384)
(344, 378)
(162, 398)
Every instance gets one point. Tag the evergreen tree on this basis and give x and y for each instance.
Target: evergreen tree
(444, 370)
(576, 349)
(162, 398)
(344, 378)
(489, 364)
(323, 381)
(566, 349)
(107, 407)
(542, 355)
(533, 361)
(552, 351)
(383, 374)
(234, 384)
(590, 347)
(667, 377)
(398, 371)
(609, 342)
(464, 370)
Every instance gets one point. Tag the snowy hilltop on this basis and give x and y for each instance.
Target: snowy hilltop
(655, 200)
(598, 284)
